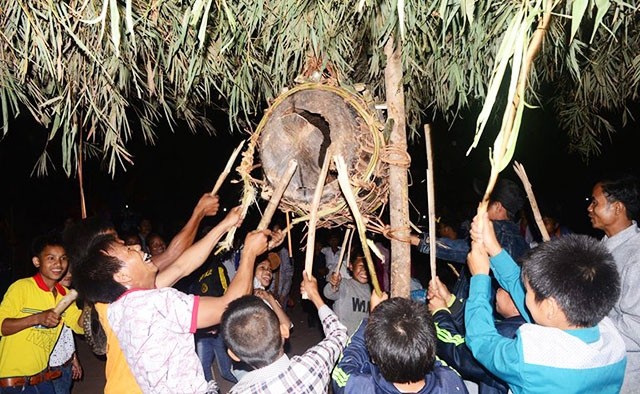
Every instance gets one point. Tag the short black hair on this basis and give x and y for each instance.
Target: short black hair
(579, 273)
(252, 331)
(79, 235)
(623, 188)
(93, 274)
(42, 241)
(400, 337)
(510, 195)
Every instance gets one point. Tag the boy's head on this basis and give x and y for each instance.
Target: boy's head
(575, 274)
(110, 267)
(505, 305)
(359, 269)
(251, 331)
(263, 273)
(50, 258)
(400, 337)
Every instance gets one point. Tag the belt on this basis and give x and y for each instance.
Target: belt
(32, 380)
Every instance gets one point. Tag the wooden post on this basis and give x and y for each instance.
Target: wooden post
(398, 179)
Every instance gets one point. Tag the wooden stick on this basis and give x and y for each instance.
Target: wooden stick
(227, 169)
(66, 301)
(277, 195)
(313, 220)
(288, 232)
(342, 250)
(431, 199)
(343, 180)
(522, 174)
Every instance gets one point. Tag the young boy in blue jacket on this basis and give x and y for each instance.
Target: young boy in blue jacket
(568, 285)
(394, 351)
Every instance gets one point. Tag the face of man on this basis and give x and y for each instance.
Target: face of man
(156, 245)
(137, 270)
(359, 271)
(601, 212)
(263, 273)
(52, 264)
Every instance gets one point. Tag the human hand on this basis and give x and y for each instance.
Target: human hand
(439, 289)
(48, 318)
(335, 278)
(435, 299)
(478, 259)
(265, 295)
(208, 205)
(377, 299)
(233, 218)
(256, 242)
(482, 231)
(277, 237)
(309, 286)
(76, 368)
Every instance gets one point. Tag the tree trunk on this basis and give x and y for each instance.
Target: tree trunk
(398, 180)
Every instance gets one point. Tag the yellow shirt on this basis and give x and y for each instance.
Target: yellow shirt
(117, 371)
(27, 352)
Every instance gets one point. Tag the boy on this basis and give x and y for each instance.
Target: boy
(394, 352)
(571, 285)
(451, 346)
(28, 324)
(146, 320)
(252, 333)
(351, 295)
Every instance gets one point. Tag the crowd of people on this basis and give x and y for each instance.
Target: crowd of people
(518, 315)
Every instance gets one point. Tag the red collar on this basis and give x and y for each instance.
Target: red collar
(43, 286)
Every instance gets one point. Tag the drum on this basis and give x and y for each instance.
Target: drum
(304, 123)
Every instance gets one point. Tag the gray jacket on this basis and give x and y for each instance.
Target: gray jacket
(625, 248)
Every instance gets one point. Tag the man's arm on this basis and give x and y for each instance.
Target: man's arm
(197, 254)
(46, 318)
(455, 250)
(354, 360)
(498, 354)
(626, 314)
(210, 309)
(207, 206)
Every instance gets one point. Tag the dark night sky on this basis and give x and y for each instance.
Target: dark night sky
(167, 179)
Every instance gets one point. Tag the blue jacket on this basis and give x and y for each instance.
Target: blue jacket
(541, 359)
(453, 349)
(355, 373)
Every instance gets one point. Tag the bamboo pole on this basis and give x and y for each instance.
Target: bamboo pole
(277, 195)
(342, 250)
(431, 198)
(227, 169)
(343, 180)
(288, 232)
(313, 220)
(522, 174)
(83, 203)
(500, 150)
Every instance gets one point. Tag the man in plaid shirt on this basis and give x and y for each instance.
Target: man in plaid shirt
(252, 333)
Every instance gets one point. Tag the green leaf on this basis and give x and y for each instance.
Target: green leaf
(577, 12)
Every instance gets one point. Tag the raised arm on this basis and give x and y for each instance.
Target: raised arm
(197, 254)
(207, 206)
(210, 309)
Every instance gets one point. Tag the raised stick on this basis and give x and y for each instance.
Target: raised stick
(522, 174)
(313, 220)
(288, 232)
(342, 249)
(66, 301)
(277, 195)
(227, 169)
(343, 180)
(431, 198)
